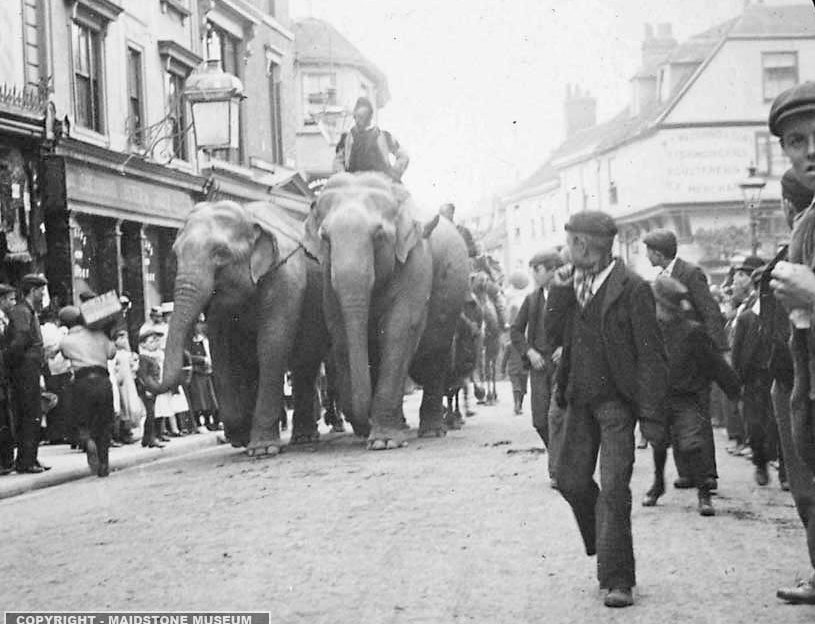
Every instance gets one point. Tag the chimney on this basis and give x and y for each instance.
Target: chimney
(580, 109)
(656, 47)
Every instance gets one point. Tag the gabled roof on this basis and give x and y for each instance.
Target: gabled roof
(317, 41)
(769, 21)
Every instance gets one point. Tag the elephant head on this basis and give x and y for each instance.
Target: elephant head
(363, 229)
(222, 250)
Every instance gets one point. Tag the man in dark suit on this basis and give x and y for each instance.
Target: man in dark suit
(660, 246)
(528, 338)
(613, 371)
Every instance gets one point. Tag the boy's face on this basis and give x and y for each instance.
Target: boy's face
(798, 141)
(742, 284)
(150, 343)
(542, 276)
(120, 340)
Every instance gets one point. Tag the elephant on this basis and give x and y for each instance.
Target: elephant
(247, 268)
(392, 294)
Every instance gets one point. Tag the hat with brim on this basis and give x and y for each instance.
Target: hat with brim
(750, 264)
(550, 258)
(671, 293)
(146, 332)
(33, 280)
(5, 289)
(69, 315)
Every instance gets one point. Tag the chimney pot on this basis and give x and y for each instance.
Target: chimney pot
(649, 32)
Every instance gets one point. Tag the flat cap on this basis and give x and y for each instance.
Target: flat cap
(671, 293)
(794, 101)
(796, 193)
(661, 240)
(33, 279)
(550, 258)
(87, 295)
(5, 289)
(592, 222)
(69, 315)
(750, 264)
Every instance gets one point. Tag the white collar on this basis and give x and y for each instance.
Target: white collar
(669, 270)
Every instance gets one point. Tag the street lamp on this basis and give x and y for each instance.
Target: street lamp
(215, 98)
(751, 192)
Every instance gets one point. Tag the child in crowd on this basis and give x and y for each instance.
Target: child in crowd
(148, 380)
(126, 364)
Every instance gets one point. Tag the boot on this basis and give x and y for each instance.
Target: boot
(705, 505)
(518, 399)
(657, 489)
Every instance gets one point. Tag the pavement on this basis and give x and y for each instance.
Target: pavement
(70, 465)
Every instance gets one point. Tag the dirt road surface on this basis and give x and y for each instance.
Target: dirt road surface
(460, 529)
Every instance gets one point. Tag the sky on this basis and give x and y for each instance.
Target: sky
(477, 86)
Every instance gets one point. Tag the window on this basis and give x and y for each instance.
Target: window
(276, 108)
(554, 224)
(226, 48)
(87, 66)
(319, 91)
(543, 225)
(780, 72)
(770, 158)
(612, 193)
(177, 115)
(135, 121)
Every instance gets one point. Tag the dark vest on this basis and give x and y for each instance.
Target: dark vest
(365, 152)
(590, 380)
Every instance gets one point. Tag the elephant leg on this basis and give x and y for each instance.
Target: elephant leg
(304, 425)
(235, 376)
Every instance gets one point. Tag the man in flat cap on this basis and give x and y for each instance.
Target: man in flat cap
(613, 371)
(366, 147)
(26, 359)
(8, 299)
(529, 339)
(792, 120)
(660, 245)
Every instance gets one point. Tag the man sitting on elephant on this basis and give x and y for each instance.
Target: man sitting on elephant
(366, 147)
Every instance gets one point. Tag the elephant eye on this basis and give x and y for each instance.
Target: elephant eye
(220, 254)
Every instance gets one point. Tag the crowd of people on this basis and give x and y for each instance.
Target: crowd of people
(605, 351)
(65, 381)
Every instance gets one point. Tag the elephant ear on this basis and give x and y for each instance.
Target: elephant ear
(408, 230)
(264, 253)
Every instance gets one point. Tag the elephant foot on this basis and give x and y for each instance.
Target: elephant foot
(304, 437)
(236, 436)
(268, 448)
(432, 432)
(454, 420)
(361, 429)
(386, 439)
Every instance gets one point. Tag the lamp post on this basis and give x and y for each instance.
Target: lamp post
(215, 97)
(751, 192)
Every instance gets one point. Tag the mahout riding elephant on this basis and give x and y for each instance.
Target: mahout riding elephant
(392, 293)
(246, 266)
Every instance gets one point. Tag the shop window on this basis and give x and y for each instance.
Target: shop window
(227, 48)
(87, 66)
(779, 72)
(135, 97)
(770, 159)
(177, 115)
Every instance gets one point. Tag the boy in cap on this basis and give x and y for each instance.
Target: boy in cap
(792, 119)
(26, 357)
(148, 382)
(612, 372)
(8, 299)
(751, 360)
(368, 148)
(529, 340)
(693, 363)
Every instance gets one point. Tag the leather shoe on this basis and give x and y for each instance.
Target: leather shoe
(652, 495)
(802, 593)
(618, 597)
(683, 483)
(104, 470)
(705, 506)
(35, 469)
(762, 478)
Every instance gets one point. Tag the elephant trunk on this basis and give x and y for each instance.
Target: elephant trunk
(355, 315)
(189, 300)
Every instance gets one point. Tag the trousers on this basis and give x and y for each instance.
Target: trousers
(6, 436)
(540, 390)
(799, 475)
(93, 406)
(708, 451)
(25, 381)
(603, 515)
(756, 410)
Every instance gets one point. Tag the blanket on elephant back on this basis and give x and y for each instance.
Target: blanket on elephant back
(275, 219)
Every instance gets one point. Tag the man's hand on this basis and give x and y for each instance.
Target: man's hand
(794, 285)
(535, 359)
(557, 355)
(563, 276)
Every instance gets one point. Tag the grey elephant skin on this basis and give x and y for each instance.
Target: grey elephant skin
(392, 293)
(245, 265)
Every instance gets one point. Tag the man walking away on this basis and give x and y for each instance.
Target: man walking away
(26, 358)
(613, 371)
(693, 363)
(89, 351)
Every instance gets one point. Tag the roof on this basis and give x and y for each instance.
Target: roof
(756, 20)
(541, 175)
(317, 41)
